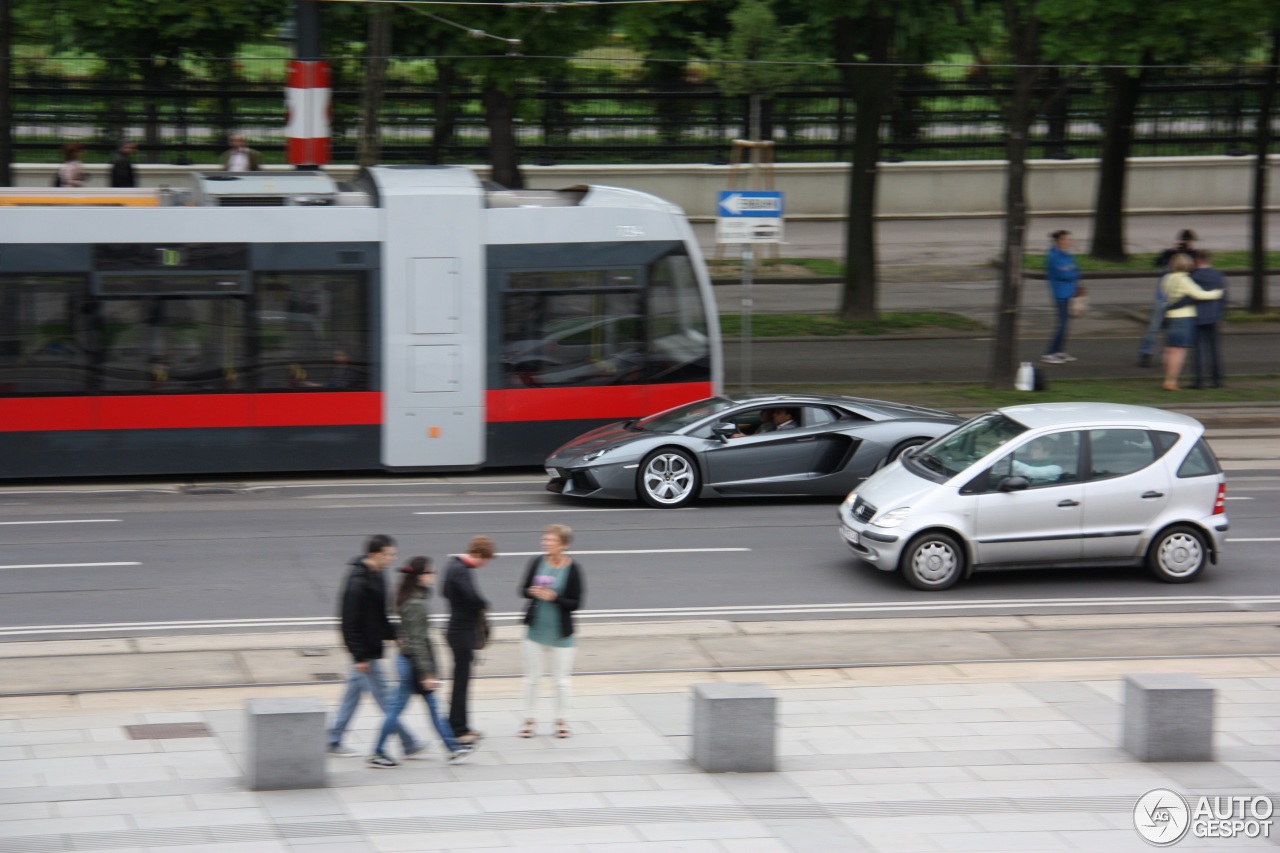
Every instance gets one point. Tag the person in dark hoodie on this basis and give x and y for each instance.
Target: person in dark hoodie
(466, 606)
(416, 664)
(365, 627)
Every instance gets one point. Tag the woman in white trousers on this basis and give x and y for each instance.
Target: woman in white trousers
(554, 586)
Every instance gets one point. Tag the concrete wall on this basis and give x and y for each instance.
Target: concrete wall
(907, 190)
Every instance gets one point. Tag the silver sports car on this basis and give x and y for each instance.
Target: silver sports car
(734, 446)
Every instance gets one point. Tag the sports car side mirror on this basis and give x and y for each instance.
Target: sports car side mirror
(724, 431)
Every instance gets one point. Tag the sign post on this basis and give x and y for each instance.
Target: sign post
(748, 217)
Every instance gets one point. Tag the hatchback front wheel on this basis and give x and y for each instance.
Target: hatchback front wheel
(933, 561)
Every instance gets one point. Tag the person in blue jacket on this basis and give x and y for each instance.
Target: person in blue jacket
(1063, 273)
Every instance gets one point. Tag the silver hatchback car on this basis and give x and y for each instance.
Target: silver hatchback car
(1049, 484)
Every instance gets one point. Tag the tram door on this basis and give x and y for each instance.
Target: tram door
(432, 319)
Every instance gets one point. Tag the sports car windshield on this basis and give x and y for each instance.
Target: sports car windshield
(680, 417)
(948, 455)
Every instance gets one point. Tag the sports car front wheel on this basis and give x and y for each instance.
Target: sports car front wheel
(668, 478)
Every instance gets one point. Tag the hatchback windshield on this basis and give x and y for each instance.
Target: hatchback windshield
(681, 416)
(952, 453)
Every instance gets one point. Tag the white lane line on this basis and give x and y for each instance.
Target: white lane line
(650, 551)
(672, 613)
(67, 565)
(68, 521)
(548, 509)
(1237, 498)
(403, 505)
(1269, 539)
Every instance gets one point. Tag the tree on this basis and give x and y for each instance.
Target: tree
(1262, 147)
(375, 83)
(6, 89)
(153, 35)
(1126, 38)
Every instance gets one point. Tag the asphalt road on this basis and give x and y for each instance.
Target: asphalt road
(161, 558)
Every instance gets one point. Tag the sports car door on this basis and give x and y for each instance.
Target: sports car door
(766, 462)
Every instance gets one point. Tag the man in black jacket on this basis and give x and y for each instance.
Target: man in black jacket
(122, 165)
(365, 627)
(465, 604)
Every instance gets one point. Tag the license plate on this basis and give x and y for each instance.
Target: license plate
(851, 536)
(553, 473)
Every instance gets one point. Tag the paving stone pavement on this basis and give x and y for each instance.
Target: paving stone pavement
(982, 757)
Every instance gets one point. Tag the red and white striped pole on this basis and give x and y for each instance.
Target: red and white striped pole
(308, 94)
(307, 123)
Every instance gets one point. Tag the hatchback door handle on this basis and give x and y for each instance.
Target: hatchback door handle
(1152, 494)
(1068, 502)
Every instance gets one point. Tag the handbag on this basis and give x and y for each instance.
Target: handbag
(482, 630)
(1078, 305)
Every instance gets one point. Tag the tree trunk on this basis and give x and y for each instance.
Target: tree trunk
(442, 127)
(375, 84)
(152, 83)
(1258, 212)
(6, 94)
(871, 87)
(1024, 33)
(1117, 142)
(504, 153)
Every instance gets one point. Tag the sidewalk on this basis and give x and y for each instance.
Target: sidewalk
(984, 756)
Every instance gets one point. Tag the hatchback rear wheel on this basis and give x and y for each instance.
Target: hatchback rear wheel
(933, 561)
(1178, 554)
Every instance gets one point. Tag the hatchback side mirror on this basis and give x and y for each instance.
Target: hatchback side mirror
(1013, 484)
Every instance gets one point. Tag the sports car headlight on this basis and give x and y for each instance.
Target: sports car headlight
(893, 518)
(596, 454)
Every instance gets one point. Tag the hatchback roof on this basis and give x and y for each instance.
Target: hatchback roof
(1038, 415)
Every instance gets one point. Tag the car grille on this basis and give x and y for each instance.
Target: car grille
(863, 511)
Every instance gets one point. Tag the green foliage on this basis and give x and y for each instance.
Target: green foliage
(1133, 32)
(165, 30)
(755, 36)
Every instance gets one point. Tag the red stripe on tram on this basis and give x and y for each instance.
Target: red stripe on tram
(189, 411)
(594, 403)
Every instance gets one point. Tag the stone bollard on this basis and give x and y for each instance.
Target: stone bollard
(734, 727)
(1168, 716)
(284, 744)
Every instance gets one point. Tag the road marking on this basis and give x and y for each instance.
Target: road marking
(67, 565)
(1236, 498)
(676, 613)
(1270, 539)
(649, 551)
(548, 509)
(67, 521)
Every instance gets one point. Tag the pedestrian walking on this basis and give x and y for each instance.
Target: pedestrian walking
(122, 165)
(1184, 245)
(554, 584)
(1207, 350)
(416, 665)
(466, 619)
(365, 627)
(1063, 274)
(240, 157)
(71, 172)
(1180, 316)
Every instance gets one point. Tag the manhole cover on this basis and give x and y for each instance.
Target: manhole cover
(165, 731)
(326, 676)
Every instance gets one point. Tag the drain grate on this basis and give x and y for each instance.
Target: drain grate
(166, 731)
(326, 676)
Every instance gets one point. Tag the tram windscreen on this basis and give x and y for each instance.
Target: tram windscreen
(574, 327)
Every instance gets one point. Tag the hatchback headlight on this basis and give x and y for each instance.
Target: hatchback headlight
(596, 454)
(847, 506)
(893, 518)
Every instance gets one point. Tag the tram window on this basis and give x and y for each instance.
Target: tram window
(312, 331)
(572, 279)
(679, 348)
(41, 335)
(572, 339)
(172, 345)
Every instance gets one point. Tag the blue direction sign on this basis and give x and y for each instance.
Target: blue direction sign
(756, 203)
(749, 216)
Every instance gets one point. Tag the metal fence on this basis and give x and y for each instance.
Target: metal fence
(606, 111)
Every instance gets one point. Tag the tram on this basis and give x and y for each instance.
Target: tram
(414, 320)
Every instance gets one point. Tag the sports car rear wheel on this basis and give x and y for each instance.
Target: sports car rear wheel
(668, 478)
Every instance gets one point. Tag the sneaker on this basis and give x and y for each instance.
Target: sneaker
(421, 753)
(380, 760)
(344, 751)
(1066, 357)
(1051, 358)
(461, 754)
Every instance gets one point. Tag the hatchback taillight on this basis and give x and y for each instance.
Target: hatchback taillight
(1220, 505)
